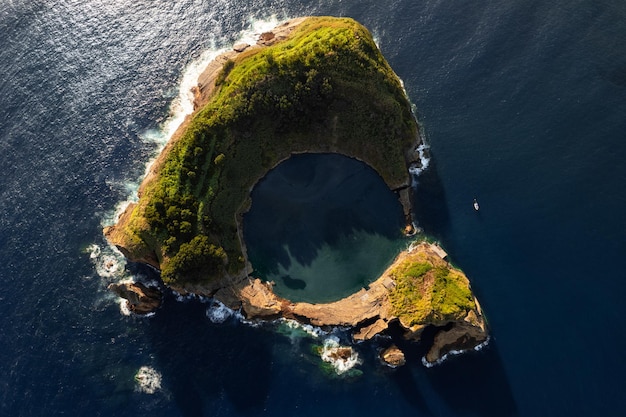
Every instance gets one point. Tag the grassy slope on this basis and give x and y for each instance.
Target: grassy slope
(429, 291)
(325, 89)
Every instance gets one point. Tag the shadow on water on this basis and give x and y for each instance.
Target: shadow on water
(312, 200)
(474, 383)
(429, 203)
(201, 361)
(293, 283)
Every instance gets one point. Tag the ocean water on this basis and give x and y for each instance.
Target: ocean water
(523, 104)
(322, 226)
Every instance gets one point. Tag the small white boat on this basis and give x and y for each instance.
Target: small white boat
(476, 206)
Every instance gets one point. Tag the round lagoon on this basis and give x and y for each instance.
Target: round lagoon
(321, 227)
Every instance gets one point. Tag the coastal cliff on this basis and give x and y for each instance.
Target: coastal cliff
(419, 289)
(315, 84)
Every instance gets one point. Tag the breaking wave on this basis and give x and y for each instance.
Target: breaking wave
(294, 329)
(218, 312)
(422, 149)
(184, 298)
(416, 169)
(108, 261)
(148, 380)
(341, 358)
(441, 360)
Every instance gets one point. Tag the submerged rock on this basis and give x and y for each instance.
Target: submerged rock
(140, 299)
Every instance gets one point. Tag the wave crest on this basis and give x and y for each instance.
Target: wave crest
(218, 313)
(148, 380)
(341, 358)
(441, 360)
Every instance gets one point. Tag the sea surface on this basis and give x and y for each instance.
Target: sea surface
(322, 226)
(523, 105)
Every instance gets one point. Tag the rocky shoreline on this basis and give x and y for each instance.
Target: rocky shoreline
(368, 312)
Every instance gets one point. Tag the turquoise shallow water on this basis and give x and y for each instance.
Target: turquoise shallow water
(524, 106)
(322, 227)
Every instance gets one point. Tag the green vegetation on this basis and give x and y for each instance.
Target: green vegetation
(327, 88)
(427, 293)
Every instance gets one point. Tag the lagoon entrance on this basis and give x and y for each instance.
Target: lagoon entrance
(322, 226)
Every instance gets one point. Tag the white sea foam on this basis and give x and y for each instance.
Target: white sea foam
(124, 307)
(126, 311)
(218, 312)
(441, 360)
(181, 107)
(110, 266)
(183, 298)
(305, 329)
(108, 261)
(417, 169)
(148, 380)
(422, 150)
(257, 26)
(329, 353)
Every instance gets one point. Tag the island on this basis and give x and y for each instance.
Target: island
(311, 85)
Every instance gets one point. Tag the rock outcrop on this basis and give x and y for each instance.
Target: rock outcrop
(392, 357)
(370, 311)
(140, 299)
(368, 332)
(461, 336)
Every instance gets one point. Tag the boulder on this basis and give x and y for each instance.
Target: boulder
(342, 353)
(240, 47)
(392, 357)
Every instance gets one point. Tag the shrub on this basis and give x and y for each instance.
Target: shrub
(194, 261)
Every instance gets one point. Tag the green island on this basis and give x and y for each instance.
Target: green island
(314, 84)
(325, 88)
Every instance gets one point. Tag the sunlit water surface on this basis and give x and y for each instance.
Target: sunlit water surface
(524, 107)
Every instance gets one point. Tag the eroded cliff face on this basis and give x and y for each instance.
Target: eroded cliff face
(369, 312)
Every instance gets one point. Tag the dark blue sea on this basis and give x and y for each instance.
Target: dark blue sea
(523, 105)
